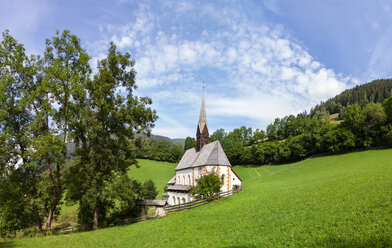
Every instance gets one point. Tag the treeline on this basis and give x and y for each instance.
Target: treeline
(373, 92)
(50, 101)
(159, 150)
(294, 138)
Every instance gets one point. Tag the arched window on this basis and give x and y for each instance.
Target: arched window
(183, 200)
(178, 180)
(174, 200)
(189, 180)
(178, 199)
(223, 179)
(183, 177)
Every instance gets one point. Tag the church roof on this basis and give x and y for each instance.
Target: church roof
(203, 115)
(158, 203)
(172, 181)
(210, 154)
(179, 187)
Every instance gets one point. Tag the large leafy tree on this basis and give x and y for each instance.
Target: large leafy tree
(373, 118)
(65, 71)
(103, 129)
(388, 108)
(19, 176)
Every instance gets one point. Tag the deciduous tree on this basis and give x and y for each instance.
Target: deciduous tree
(207, 186)
(189, 143)
(18, 75)
(107, 122)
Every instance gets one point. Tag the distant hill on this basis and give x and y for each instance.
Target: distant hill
(179, 141)
(375, 91)
(155, 137)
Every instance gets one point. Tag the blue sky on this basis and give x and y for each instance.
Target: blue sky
(259, 59)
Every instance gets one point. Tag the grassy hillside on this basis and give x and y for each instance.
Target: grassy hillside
(159, 172)
(336, 201)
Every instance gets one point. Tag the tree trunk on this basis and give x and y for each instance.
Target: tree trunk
(50, 214)
(37, 218)
(96, 213)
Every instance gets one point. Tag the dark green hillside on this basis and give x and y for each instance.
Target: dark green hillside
(180, 141)
(373, 92)
(155, 137)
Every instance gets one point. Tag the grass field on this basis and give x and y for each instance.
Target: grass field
(335, 201)
(159, 172)
(334, 119)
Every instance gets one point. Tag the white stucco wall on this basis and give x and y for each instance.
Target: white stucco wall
(184, 174)
(177, 195)
(235, 179)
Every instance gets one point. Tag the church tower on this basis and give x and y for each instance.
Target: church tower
(202, 134)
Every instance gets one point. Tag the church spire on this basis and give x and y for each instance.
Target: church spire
(203, 116)
(202, 134)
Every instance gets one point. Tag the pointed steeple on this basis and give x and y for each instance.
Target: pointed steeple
(202, 134)
(203, 116)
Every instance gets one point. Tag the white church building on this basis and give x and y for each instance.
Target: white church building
(201, 160)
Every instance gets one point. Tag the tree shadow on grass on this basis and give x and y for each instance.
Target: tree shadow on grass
(372, 241)
(336, 242)
(7, 244)
(242, 246)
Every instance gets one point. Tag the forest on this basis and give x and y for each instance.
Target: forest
(375, 91)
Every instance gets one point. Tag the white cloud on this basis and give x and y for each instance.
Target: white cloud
(172, 128)
(380, 62)
(252, 70)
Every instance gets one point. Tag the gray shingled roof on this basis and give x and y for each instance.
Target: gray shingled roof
(159, 203)
(210, 154)
(179, 187)
(172, 181)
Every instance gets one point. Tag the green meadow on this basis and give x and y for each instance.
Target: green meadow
(334, 201)
(159, 172)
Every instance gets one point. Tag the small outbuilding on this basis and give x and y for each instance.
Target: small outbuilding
(159, 206)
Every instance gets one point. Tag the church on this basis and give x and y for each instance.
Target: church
(201, 160)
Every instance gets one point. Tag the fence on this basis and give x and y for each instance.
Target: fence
(197, 203)
(177, 208)
(134, 220)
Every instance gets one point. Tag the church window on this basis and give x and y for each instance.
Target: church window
(183, 177)
(178, 199)
(223, 179)
(174, 200)
(189, 180)
(183, 200)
